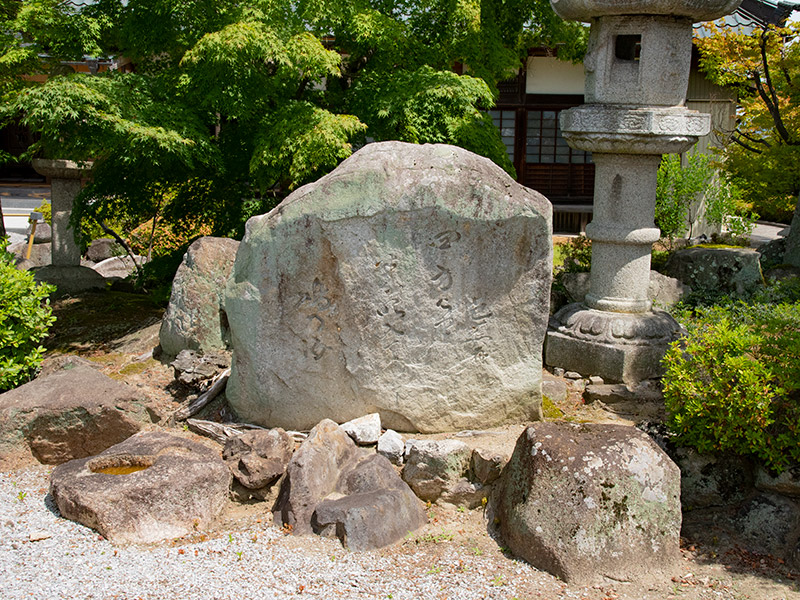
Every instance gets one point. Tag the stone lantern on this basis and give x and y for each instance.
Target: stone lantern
(637, 74)
(66, 271)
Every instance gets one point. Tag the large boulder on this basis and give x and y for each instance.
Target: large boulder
(41, 254)
(103, 248)
(335, 489)
(195, 318)
(412, 281)
(587, 502)
(151, 487)
(73, 413)
(734, 271)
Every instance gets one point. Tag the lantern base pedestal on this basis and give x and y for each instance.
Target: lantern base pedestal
(619, 347)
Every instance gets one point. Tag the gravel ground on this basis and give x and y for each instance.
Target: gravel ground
(245, 558)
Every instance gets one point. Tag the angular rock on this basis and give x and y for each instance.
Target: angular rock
(433, 467)
(102, 249)
(391, 445)
(333, 488)
(554, 388)
(708, 480)
(731, 270)
(412, 281)
(487, 466)
(195, 318)
(312, 474)
(614, 393)
(364, 430)
(585, 502)
(786, 484)
(41, 254)
(196, 369)
(72, 413)
(377, 509)
(470, 494)
(151, 487)
(43, 234)
(258, 458)
(118, 267)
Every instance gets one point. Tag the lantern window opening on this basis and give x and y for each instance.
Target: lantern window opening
(628, 48)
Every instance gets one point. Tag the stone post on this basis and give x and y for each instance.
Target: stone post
(637, 73)
(65, 271)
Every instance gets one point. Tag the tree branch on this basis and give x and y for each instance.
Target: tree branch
(735, 139)
(768, 95)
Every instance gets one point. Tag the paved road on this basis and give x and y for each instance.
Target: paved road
(21, 199)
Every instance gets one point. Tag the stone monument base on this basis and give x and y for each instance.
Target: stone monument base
(619, 347)
(70, 279)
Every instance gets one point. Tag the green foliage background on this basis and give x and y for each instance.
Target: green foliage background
(233, 105)
(25, 317)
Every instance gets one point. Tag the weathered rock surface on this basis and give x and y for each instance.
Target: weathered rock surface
(391, 445)
(433, 467)
(118, 267)
(585, 502)
(102, 249)
(708, 480)
(664, 292)
(487, 466)
(334, 488)
(770, 524)
(364, 430)
(195, 318)
(73, 413)
(614, 393)
(166, 487)
(730, 270)
(41, 254)
(786, 484)
(43, 233)
(196, 369)
(554, 388)
(258, 458)
(412, 281)
(772, 253)
(377, 508)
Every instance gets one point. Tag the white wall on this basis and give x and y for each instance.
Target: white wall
(548, 75)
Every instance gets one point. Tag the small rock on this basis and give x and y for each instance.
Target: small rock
(364, 430)
(38, 536)
(102, 249)
(258, 458)
(786, 484)
(558, 371)
(432, 467)
(596, 380)
(391, 445)
(486, 465)
(554, 389)
(573, 375)
(465, 493)
(196, 369)
(614, 393)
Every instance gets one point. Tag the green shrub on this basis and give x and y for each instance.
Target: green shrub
(733, 383)
(25, 317)
(576, 255)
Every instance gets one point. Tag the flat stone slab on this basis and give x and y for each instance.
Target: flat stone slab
(412, 281)
(152, 487)
(589, 502)
(73, 413)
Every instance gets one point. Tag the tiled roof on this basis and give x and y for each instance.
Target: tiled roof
(752, 14)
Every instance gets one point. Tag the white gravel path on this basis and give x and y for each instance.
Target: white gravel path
(74, 562)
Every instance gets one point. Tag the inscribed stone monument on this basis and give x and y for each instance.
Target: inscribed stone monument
(412, 281)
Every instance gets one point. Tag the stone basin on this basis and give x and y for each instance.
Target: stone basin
(697, 10)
